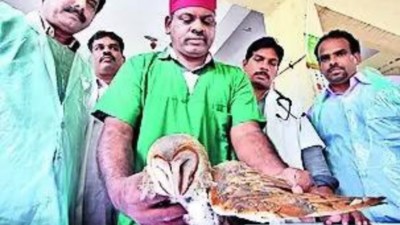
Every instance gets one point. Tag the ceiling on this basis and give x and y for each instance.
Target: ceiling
(264, 6)
(386, 43)
(250, 28)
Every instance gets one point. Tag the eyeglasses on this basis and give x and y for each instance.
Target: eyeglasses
(286, 104)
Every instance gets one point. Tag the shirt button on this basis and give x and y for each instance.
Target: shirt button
(62, 125)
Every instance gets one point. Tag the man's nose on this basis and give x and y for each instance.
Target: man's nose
(264, 65)
(197, 27)
(81, 4)
(333, 61)
(106, 51)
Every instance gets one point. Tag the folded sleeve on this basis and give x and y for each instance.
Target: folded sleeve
(244, 106)
(124, 97)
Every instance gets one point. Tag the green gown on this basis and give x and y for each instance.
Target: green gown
(150, 94)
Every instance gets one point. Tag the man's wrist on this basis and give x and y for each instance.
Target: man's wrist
(322, 190)
(283, 170)
(115, 188)
(325, 180)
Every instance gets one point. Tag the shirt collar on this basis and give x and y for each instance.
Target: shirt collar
(264, 96)
(46, 27)
(358, 78)
(169, 53)
(100, 83)
(73, 43)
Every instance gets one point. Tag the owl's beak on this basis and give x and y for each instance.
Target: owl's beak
(173, 177)
(184, 168)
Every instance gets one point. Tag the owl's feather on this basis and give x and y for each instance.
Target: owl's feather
(243, 192)
(178, 167)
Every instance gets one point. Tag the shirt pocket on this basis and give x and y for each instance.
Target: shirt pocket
(222, 119)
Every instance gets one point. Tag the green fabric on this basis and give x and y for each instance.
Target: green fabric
(40, 139)
(63, 64)
(223, 97)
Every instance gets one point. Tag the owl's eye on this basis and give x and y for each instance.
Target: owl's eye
(188, 199)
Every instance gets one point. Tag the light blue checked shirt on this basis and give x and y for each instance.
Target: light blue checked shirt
(361, 129)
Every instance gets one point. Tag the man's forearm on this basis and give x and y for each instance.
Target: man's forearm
(115, 154)
(314, 162)
(254, 148)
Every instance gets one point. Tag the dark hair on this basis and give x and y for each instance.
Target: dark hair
(336, 34)
(102, 34)
(265, 42)
(100, 6)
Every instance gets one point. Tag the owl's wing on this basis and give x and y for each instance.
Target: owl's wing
(243, 192)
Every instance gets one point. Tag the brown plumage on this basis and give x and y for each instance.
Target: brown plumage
(178, 167)
(243, 192)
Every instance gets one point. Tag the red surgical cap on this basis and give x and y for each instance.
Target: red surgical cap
(179, 4)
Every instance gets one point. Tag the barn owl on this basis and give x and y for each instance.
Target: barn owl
(178, 167)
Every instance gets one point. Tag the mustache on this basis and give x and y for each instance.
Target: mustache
(107, 56)
(72, 9)
(334, 68)
(261, 73)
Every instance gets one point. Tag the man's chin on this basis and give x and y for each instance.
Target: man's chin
(197, 52)
(71, 26)
(337, 78)
(196, 55)
(108, 69)
(260, 85)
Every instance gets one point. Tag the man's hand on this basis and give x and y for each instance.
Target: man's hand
(300, 180)
(257, 151)
(357, 217)
(158, 210)
(115, 157)
(354, 217)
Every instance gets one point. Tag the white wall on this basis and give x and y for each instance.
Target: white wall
(250, 28)
(131, 19)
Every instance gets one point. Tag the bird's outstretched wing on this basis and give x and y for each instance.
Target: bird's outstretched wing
(241, 191)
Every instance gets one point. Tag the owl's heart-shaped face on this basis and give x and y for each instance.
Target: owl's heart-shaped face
(176, 165)
(175, 174)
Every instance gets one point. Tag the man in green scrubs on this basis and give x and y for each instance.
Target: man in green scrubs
(180, 90)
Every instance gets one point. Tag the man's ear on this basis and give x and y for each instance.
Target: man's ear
(357, 57)
(167, 24)
(123, 59)
(244, 63)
